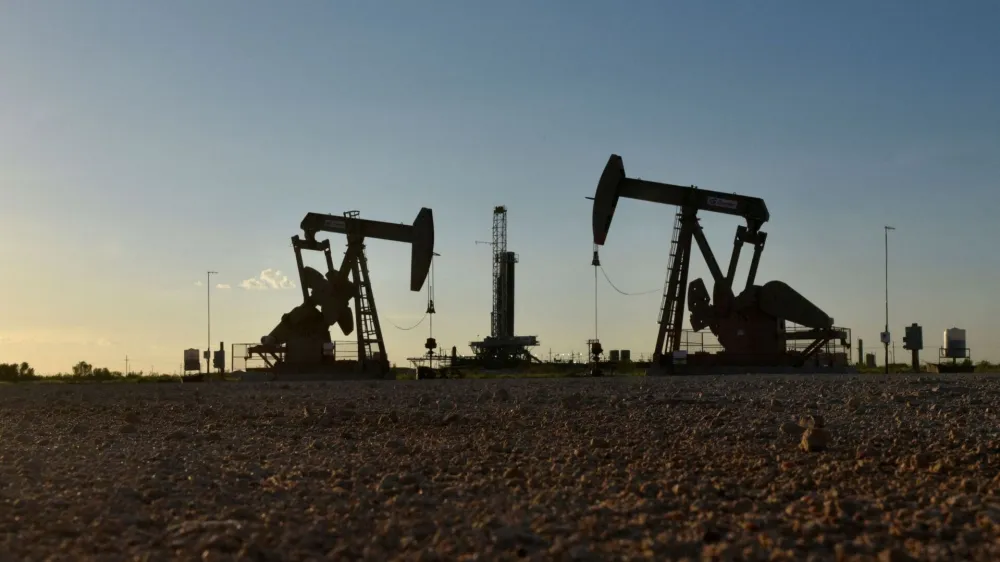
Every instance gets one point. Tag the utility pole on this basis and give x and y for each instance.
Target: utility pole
(208, 349)
(126, 365)
(886, 339)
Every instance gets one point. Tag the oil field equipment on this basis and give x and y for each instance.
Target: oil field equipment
(956, 349)
(433, 364)
(595, 351)
(301, 342)
(913, 340)
(502, 348)
(751, 327)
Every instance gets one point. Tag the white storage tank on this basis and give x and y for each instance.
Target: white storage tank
(954, 343)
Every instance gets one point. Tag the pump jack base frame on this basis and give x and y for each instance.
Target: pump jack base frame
(326, 369)
(827, 353)
(703, 363)
(949, 368)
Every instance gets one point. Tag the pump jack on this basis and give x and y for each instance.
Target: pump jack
(301, 342)
(751, 326)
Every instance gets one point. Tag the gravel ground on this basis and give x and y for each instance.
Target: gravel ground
(710, 468)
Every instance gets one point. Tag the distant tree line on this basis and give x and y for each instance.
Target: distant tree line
(14, 372)
(980, 367)
(81, 372)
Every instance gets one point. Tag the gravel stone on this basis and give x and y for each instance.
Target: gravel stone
(791, 428)
(815, 439)
(698, 468)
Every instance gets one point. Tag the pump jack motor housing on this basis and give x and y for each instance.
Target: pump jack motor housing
(750, 326)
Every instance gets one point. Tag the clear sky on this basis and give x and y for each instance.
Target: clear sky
(143, 143)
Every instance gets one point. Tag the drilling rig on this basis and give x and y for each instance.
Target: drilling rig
(301, 342)
(751, 327)
(502, 348)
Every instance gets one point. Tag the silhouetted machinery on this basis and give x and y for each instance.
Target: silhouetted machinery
(596, 350)
(301, 342)
(751, 326)
(502, 348)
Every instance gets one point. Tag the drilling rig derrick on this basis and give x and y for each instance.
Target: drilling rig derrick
(502, 348)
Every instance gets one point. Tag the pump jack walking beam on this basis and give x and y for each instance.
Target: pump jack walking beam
(420, 236)
(614, 184)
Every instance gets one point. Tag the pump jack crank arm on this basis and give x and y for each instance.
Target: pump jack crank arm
(758, 247)
(706, 252)
(743, 236)
(735, 257)
(297, 245)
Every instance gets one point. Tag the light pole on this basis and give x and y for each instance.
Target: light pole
(208, 350)
(885, 340)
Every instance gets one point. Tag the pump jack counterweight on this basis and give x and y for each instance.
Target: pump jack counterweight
(749, 326)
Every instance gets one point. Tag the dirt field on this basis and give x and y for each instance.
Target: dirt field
(631, 468)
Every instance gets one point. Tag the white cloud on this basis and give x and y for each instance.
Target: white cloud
(276, 279)
(217, 286)
(268, 279)
(252, 284)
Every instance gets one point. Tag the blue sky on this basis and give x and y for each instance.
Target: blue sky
(144, 143)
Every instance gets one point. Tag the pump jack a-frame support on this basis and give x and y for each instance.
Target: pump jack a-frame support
(686, 228)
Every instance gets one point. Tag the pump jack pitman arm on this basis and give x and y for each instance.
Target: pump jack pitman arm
(614, 184)
(420, 236)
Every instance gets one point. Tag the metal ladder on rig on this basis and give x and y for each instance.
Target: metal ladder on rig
(668, 306)
(371, 346)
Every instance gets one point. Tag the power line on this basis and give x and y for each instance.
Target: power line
(621, 291)
(413, 327)
(430, 304)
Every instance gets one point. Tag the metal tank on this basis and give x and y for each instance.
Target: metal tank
(954, 343)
